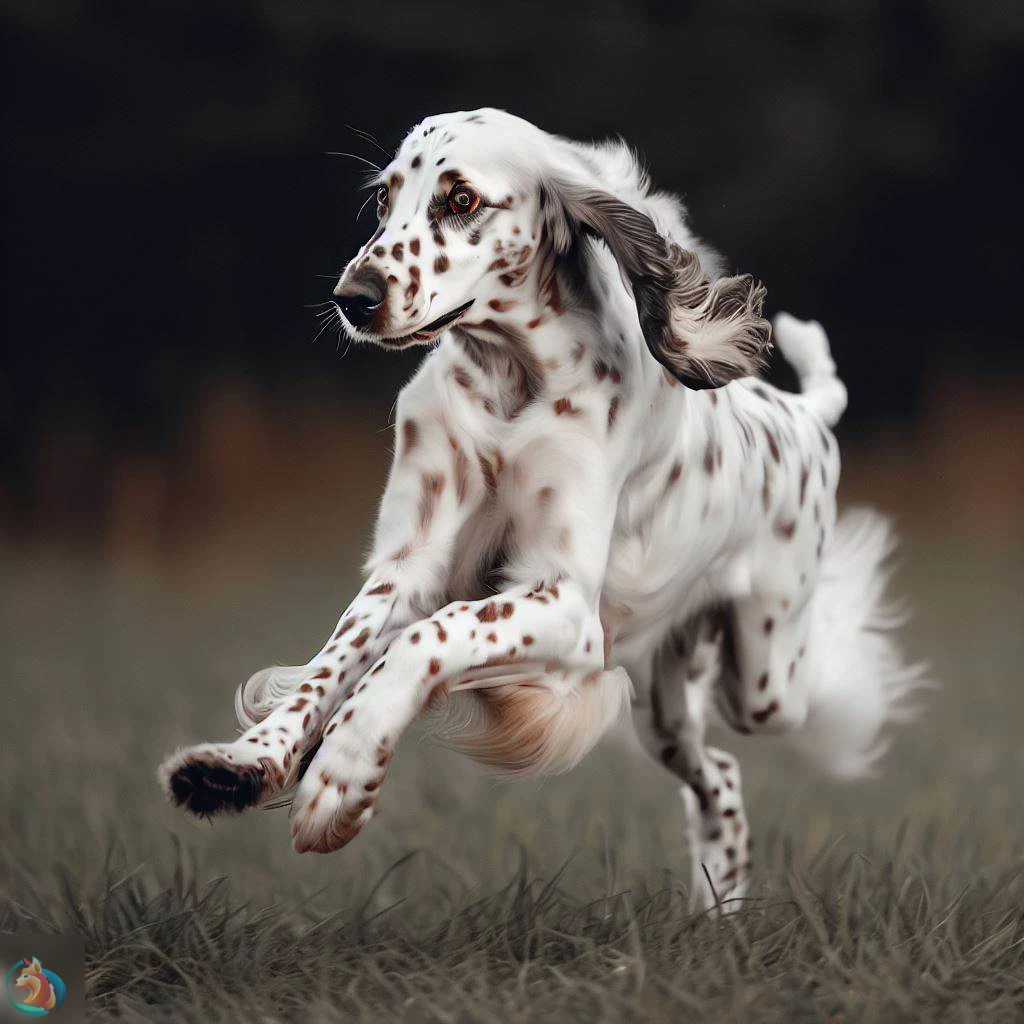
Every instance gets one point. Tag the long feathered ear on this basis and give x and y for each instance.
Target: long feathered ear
(704, 332)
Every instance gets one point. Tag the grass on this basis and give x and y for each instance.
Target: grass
(470, 899)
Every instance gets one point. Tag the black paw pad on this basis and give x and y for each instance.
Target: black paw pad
(204, 788)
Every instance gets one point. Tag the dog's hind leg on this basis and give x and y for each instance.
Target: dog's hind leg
(670, 720)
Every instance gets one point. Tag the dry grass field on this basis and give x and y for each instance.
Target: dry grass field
(474, 899)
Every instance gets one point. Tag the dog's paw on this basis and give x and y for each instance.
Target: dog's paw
(336, 797)
(214, 778)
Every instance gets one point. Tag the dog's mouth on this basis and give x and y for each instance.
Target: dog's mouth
(428, 332)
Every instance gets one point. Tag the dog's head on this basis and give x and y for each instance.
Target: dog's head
(471, 202)
(458, 230)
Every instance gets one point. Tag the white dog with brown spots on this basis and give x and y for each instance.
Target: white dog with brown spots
(594, 502)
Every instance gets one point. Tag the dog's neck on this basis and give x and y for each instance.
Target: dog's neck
(545, 324)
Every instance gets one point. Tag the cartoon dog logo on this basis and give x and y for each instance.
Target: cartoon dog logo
(32, 989)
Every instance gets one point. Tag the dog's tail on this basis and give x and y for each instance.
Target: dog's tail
(862, 684)
(805, 346)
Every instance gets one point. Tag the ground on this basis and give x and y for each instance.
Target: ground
(470, 899)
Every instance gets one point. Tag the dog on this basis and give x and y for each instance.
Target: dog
(594, 503)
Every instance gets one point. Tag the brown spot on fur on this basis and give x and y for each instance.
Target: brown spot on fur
(803, 483)
(563, 406)
(489, 612)
(527, 640)
(461, 471)
(362, 638)
(488, 472)
(765, 713)
(348, 715)
(441, 264)
(492, 637)
(432, 486)
(414, 247)
(769, 625)
(462, 377)
(785, 531)
(675, 472)
(613, 411)
(397, 251)
(709, 457)
(415, 638)
(379, 251)
(381, 588)
(507, 610)
(345, 626)
(416, 161)
(773, 445)
(434, 666)
(502, 305)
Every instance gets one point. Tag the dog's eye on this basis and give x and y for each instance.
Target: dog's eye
(462, 200)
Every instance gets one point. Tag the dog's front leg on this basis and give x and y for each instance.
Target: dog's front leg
(432, 488)
(528, 629)
(562, 511)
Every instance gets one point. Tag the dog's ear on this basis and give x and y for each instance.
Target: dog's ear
(705, 333)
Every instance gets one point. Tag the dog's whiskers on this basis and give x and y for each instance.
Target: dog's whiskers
(367, 137)
(356, 156)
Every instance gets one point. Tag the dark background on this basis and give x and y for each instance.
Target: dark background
(171, 212)
(188, 476)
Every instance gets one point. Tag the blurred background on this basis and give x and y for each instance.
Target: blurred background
(171, 214)
(189, 473)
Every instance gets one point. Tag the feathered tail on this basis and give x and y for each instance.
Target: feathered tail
(862, 683)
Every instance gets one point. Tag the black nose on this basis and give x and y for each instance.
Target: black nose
(360, 296)
(357, 309)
